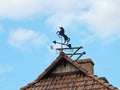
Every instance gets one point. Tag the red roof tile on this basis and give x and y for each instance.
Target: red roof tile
(69, 81)
(75, 80)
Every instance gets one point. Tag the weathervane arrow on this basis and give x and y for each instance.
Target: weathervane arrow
(55, 42)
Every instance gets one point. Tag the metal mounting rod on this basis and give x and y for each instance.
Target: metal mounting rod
(76, 51)
(81, 55)
(74, 54)
(69, 48)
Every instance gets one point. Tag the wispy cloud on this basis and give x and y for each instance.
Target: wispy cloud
(18, 9)
(102, 17)
(5, 69)
(23, 38)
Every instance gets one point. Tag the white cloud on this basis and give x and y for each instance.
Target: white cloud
(102, 17)
(5, 69)
(23, 38)
(61, 19)
(65, 13)
(17, 9)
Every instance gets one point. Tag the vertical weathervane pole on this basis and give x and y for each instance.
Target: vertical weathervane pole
(61, 45)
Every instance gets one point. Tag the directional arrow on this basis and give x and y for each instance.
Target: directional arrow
(68, 45)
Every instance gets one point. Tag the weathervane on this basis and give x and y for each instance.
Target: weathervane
(61, 34)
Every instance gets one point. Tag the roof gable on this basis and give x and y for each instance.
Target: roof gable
(62, 61)
(64, 67)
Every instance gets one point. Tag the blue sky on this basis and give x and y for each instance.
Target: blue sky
(28, 27)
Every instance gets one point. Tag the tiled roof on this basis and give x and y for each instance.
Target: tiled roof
(75, 80)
